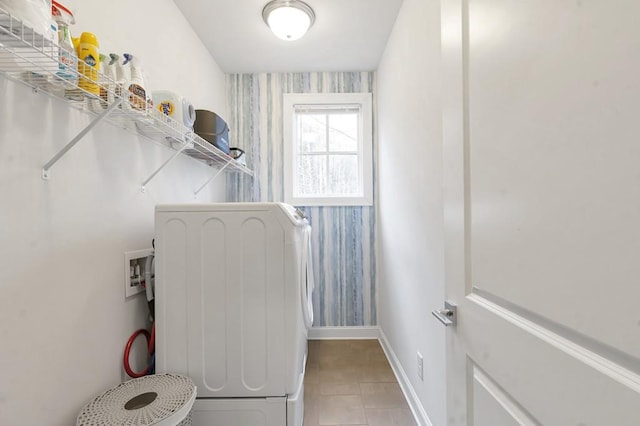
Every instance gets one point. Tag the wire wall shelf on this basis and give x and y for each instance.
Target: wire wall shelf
(30, 58)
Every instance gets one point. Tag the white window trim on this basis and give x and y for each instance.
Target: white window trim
(363, 100)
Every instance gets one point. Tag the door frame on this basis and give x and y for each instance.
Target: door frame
(455, 141)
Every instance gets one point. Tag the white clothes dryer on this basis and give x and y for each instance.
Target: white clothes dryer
(233, 308)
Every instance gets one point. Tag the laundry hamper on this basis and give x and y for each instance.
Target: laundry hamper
(160, 400)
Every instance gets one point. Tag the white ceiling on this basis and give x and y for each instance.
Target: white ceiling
(348, 35)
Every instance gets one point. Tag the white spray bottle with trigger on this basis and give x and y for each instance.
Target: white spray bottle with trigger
(67, 76)
(122, 73)
(139, 98)
(108, 80)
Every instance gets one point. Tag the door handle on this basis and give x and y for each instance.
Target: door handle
(448, 315)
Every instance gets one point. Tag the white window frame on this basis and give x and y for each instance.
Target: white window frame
(294, 101)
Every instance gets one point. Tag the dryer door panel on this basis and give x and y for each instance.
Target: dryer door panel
(260, 300)
(213, 308)
(227, 299)
(172, 264)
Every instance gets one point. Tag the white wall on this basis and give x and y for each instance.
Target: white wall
(410, 223)
(64, 320)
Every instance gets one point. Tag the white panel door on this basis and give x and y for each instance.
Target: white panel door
(542, 211)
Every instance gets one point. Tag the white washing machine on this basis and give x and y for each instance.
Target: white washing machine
(233, 308)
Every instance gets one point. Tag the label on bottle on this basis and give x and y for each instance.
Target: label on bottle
(90, 60)
(68, 63)
(138, 97)
(104, 95)
(166, 107)
(87, 68)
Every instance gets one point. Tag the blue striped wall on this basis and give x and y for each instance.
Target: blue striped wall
(343, 237)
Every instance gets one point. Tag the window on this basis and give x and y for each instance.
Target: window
(328, 149)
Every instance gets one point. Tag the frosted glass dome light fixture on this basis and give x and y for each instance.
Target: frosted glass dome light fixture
(288, 19)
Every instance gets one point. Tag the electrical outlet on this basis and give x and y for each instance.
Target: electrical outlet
(134, 271)
(420, 364)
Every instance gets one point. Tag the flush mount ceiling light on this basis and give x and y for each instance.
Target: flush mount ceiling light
(288, 19)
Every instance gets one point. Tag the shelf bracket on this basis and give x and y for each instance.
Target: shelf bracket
(187, 141)
(215, 175)
(76, 139)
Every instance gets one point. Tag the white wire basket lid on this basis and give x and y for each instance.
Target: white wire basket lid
(161, 400)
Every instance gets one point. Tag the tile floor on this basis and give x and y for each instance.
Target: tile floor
(350, 382)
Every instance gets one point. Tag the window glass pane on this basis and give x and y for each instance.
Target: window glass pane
(343, 176)
(343, 132)
(312, 131)
(328, 148)
(310, 173)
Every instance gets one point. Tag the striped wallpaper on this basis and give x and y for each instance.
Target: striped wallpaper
(343, 237)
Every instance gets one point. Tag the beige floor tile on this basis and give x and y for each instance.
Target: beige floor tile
(378, 372)
(312, 374)
(346, 350)
(311, 390)
(340, 361)
(379, 416)
(404, 417)
(341, 409)
(389, 417)
(374, 355)
(365, 343)
(343, 358)
(338, 375)
(382, 395)
(340, 389)
(310, 411)
(313, 346)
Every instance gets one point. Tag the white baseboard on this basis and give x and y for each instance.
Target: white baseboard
(339, 333)
(410, 395)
